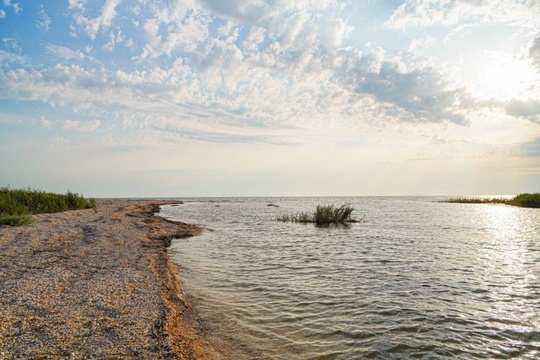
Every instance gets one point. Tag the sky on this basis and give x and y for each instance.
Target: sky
(178, 98)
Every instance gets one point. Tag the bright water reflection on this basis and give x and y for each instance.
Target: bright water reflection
(418, 279)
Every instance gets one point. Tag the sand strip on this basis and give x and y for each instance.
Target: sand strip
(95, 285)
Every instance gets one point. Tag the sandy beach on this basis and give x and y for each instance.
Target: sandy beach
(88, 284)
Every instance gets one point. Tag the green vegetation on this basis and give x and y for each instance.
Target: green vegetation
(523, 200)
(477, 200)
(526, 200)
(324, 215)
(303, 218)
(16, 206)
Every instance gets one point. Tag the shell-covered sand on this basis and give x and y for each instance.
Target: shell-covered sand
(88, 284)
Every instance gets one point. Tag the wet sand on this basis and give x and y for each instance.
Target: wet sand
(88, 284)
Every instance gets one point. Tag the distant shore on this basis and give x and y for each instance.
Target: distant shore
(96, 284)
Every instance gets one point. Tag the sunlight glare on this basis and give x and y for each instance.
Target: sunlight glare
(503, 78)
(504, 246)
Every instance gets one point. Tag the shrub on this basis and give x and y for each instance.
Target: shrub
(526, 200)
(16, 206)
(15, 220)
(324, 215)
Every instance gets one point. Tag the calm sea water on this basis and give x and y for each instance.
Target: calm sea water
(416, 279)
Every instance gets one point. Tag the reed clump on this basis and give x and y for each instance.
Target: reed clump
(323, 215)
(17, 206)
(476, 200)
(522, 200)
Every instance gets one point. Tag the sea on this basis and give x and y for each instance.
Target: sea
(416, 278)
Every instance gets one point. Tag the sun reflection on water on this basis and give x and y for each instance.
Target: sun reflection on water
(502, 224)
(511, 269)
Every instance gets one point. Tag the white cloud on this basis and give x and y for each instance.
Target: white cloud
(109, 13)
(64, 52)
(45, 123)
(243, 11)
(16, 7)
(449, 12)
(534, 51)
(227, 96)
(524, 108)
(79, 125)
(2, 14)
(76, 4)
(12, 45)
(530, 148)
(8, 59)
(287, 68)
(93, 25)
(44, 21)
(280, 72)
(60, 141)
(114, 39)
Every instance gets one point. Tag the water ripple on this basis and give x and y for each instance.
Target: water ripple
(419, 279)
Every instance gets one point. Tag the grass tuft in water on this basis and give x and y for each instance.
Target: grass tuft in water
(17, 206)
(476, 200)
(324, 215)
(522, 200)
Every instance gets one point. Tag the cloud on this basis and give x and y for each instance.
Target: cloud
(64, 52)
(16, 7)
(449, 12)
(12, 45)
(530, 148)
(114, 39)
(109, 13)
(183, 35)
(44, 21)
(534, 51)
(225, 71)
(422, 92)
(45, 123)
(2, 14)
(78, 125)
(241, 11)
(8, 59)
(93, 25)
(76, 4)
(75, 125)
(529, 109)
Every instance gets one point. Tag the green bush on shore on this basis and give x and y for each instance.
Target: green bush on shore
(17, 206)
(324, 215)
(522, 200)
(526, 200)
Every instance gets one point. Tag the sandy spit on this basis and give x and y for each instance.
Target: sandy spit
(95, 285)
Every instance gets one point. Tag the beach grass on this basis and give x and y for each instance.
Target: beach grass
(522, 200)
(477, 200)
(18, 205)
(323, 215)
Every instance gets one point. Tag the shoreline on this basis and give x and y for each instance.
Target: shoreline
(96, 284)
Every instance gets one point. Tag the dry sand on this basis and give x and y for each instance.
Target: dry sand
(88, 284)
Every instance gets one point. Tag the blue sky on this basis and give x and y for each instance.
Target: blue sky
(269, 97)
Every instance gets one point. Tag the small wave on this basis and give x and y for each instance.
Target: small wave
(459, 290)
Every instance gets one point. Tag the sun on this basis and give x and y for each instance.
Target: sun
(504, 77)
